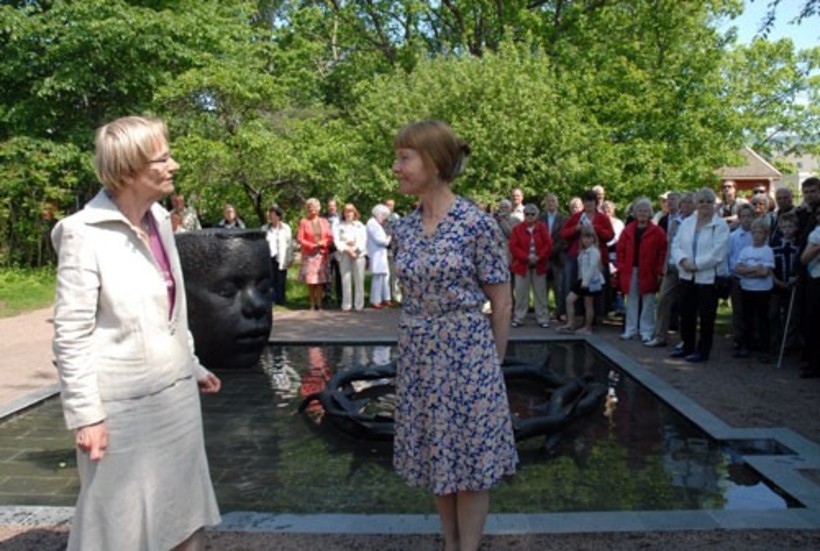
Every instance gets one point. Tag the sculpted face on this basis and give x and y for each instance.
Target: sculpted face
(228, 288)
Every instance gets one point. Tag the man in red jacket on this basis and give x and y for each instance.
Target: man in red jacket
(530, 248)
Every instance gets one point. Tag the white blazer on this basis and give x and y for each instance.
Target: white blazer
(377, 242)
(284, 242)
(353, 231)
(713, 246)
(113, 338)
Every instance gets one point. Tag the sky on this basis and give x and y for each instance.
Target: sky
(805, 35)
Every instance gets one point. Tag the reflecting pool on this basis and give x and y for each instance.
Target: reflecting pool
(266, 456)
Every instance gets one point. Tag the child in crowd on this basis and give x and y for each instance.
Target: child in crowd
(754, 268)
(589, 284)
(786, 264)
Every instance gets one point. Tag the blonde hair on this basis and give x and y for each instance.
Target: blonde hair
(313, 201)
(124, 147)
(438, 146)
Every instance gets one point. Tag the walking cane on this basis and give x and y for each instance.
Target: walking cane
(786, 328)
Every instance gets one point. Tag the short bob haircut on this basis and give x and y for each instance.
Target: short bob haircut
(277, 209)
(124, 147)
(643, 202)
(589, 196)
(351, 207)
(313, 201)
(705, 194)
(438, 146)
(761, 224)
(380, 211)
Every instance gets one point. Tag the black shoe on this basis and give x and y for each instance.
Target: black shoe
(680, 353)
(810, 375)
(695, 358)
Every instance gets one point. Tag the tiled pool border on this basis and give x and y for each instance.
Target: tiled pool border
(782, 470)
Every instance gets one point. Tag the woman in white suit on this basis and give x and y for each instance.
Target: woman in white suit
(377, 242)
(350, 238)
(699, 251)
(125, 357)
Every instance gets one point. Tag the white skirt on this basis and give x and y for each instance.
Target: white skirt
(152, 489)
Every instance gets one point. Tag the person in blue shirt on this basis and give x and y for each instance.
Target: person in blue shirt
(739, 239)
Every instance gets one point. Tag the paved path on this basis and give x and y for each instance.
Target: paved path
(26, 367)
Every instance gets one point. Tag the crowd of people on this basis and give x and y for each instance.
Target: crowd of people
(667, 271)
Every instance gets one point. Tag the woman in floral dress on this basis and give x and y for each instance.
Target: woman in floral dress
(453, 429)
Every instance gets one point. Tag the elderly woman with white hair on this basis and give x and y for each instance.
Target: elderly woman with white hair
(699, 251)
(640, 256)
(377, 243)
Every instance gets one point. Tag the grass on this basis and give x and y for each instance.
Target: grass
(25, 289)
(297, 293)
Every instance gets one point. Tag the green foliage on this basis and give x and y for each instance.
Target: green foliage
(511, 107)
(38, 180)
(775, 91)
(273, 101)
(25, 289)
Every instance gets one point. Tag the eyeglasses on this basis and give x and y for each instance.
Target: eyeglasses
(161, 160)
(759, 191)
(529, 214)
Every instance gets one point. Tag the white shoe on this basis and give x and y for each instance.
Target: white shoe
(626, 337)
(655, 343)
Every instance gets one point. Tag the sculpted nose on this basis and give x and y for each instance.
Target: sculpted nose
(256, 302)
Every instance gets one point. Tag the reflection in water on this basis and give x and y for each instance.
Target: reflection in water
(611, 397)
(264, 456)
(637, 454)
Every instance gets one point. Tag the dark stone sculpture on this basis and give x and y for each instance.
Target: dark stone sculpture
(345, 403)
(228, 288)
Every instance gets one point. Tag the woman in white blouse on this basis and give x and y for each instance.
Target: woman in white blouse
(377, 242)
(350, 238)
(699, 251)
(280, 241)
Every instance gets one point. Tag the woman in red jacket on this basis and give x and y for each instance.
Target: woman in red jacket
(571, 232)
(640, 253)
(530, 248)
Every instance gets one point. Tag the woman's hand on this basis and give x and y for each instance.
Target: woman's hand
(93, 440)
(211, 384)
(688, 265)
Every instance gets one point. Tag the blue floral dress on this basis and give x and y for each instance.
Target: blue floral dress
(453, 427)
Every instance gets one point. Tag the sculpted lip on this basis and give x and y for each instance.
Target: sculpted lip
(253, 336)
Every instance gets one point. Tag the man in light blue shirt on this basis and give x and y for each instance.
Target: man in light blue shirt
(740, 238)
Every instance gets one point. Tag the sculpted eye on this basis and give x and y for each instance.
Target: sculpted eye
(227, 290)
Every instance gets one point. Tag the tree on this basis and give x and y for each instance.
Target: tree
(773, 91)
(811, 8)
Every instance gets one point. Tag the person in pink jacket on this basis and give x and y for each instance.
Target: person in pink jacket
(530, 248)
(640, 254)
(315, 238)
